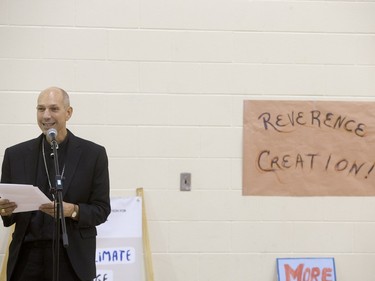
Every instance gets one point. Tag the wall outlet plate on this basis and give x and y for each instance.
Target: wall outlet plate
(185, 182)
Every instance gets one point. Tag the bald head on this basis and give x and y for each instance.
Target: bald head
(57, 91)
(53, 111)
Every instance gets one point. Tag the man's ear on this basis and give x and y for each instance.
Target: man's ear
(69, 113)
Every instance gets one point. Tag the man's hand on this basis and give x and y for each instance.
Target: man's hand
(50, 209)
(6, 207)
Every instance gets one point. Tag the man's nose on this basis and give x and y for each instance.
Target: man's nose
(46, 114)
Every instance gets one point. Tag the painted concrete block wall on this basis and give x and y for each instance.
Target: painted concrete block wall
(161, 84)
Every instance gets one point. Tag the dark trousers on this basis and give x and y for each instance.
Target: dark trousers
(35, 263)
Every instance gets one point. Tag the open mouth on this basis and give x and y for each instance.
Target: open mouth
(48, 125)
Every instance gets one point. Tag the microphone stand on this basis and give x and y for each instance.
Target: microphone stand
(59, 214)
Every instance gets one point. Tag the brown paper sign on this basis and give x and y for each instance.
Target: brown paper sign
(309, 148)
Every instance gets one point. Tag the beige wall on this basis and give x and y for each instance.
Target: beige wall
(160, 83)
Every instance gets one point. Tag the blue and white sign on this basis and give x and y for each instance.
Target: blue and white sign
(306, 269)
(119, 249)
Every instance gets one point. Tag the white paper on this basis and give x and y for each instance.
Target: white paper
(27, 197)
(124, 212)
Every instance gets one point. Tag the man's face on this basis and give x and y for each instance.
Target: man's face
(52, 112)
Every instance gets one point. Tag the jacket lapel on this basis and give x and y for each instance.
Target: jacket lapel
(31, 170)
(72, 158)
(31, 161)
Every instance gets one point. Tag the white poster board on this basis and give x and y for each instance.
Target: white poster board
(306, 269)
(119, 251)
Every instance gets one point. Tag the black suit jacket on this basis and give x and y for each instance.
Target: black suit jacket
(86, 184)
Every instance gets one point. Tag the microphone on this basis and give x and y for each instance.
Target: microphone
(52, 134)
